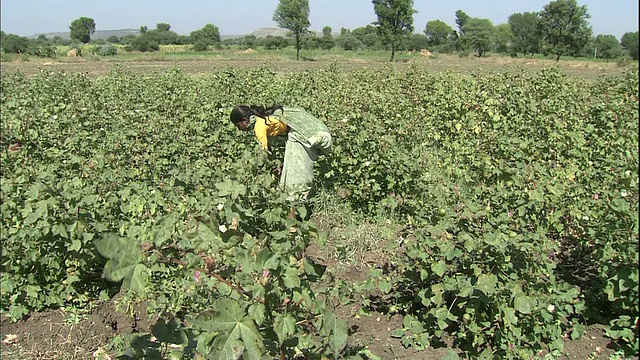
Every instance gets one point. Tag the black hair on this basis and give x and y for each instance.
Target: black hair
(243, 111)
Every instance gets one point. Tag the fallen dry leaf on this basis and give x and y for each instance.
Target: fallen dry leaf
(101, 354)
(10, 339)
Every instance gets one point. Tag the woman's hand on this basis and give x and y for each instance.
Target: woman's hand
(278, 170)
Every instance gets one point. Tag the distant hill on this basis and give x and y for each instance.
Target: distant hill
(264, 32)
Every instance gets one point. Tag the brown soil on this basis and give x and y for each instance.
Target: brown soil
(54, 334)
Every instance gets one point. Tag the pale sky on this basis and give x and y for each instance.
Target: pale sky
(239, 17)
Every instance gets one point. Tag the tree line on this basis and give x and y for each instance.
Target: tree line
(561, 28)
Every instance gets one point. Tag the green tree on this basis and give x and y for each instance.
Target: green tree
(452, 44)
(437, 32)
(326, 41)
(503, 37)
(607, 47)
(144, 44)
(82, 28)
(480, 34)
(113, 39)
(161, 34)
(417, 42)
(127, 39)
(372, 41)
(249, 41)
(163, 27)
(209, 35)
(461, 42)
(629, 42)
(363, 32)
(359, 32)
(14, 44)
(310, 41)
(564, 27)
(294, 16)
(326, 31)
(275, 42)
(461, 20)
(526, 35)
(349, 42)
(395, 21)
(58, 40)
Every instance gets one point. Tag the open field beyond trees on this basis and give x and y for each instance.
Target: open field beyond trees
(193, 62)
(471, 208)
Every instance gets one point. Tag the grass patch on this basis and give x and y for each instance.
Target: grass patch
(354, 238)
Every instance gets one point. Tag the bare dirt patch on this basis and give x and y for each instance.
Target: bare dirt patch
(55, 334)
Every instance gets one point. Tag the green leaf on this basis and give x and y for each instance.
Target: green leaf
(113, 246)
(313, 269)
(252, 340)
(284, 326)
(291, 278)
(257, 312)
(238, 335)
(168, 331)
(493, 239)
(439, 268)
(208, 235)
(509, 316)
(226, 313)
(227, 346)
(230, 188)
(31, 218)
(442, 315)
(76, 245)
(619, 205)
(522, 303)
(577, 331)
(338, 331)
(262, 257)
(385, 286)
(487, 283)
(138, 279)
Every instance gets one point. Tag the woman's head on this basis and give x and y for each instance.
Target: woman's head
(241, 115)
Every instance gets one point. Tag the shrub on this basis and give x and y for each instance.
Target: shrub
(42, 50)
(200, 45)
(15, 44)
(106, 50)
(464, 53)
(143, 44)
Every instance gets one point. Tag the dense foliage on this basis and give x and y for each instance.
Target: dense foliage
(519, 194)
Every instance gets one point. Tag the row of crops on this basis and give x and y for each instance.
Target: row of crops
(518, 192)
